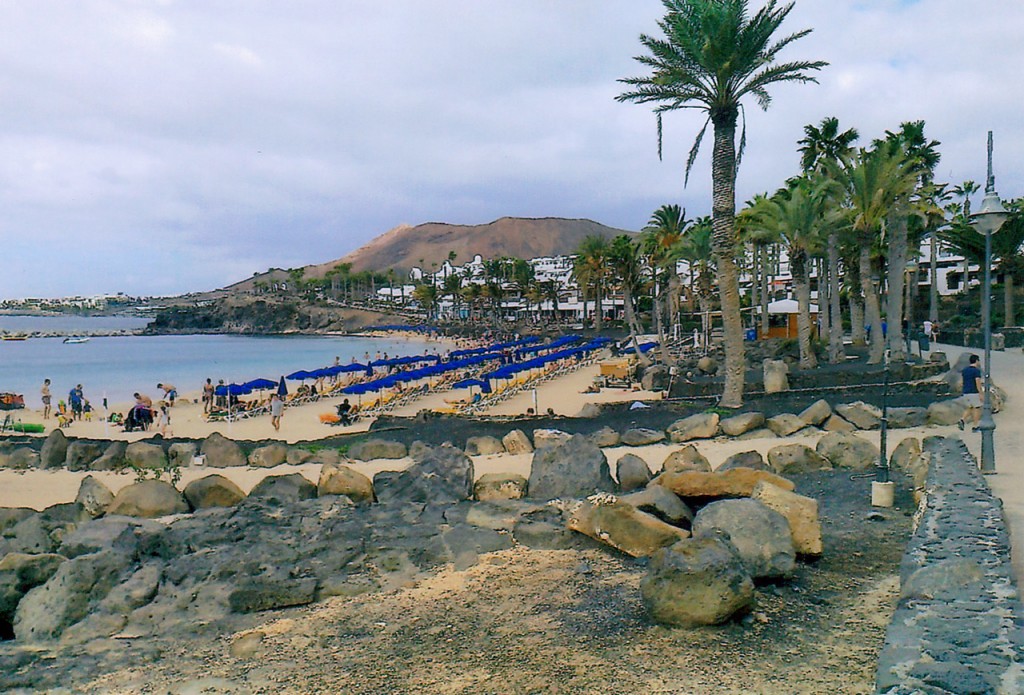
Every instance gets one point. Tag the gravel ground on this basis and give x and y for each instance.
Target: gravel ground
(530, 621)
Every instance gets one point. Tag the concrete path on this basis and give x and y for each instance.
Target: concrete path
(1008, 482)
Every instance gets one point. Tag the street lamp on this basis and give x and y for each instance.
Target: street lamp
(987, 221)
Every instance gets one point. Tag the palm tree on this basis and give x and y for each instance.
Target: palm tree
(427, 295)
(473, 293)
(624, 263)
(713, 55)
(452, 287)
(696, 249)
(751, 231)
(964, 191)
(659, 240)
(590, 268)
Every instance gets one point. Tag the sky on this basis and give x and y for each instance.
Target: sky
(156, 147)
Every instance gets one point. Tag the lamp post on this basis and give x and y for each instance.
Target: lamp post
(987, 221)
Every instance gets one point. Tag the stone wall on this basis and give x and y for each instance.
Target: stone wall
(958, 623)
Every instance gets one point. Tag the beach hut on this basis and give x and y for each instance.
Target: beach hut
(782, 319)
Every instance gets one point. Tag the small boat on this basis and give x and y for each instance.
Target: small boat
(15, 336)
(75, 340)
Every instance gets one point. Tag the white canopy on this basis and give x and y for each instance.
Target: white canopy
(787, 306)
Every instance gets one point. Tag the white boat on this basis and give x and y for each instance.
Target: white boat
(75, 340)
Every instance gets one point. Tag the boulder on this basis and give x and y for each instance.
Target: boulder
(440, 475)
(589, 411)
(297, 456)
(659, 501)
(542, 438)
(112, 458)
(323, 456)
(20, 573)
(697, 581)
(54, 451)
(81, 453)
(143, 455)
(944, 581)
(11, 516)
(760, 534)
(336, 479)
(776, 379)
(656, 377)
(606, 437)
(642, 436)
(707, 365)
(492, 487)
(575, 468)
(94, 496)
(785, 424)
(739, 482)
(816, 413)
(801, 513)
(484, 446)
(221, 452)
(120, 533)
(284, 489)
(686, 459)
(762, 433)
(844, 450)
(946, 412)
(23, 458)
(699, 426)
(838, 424)
(902, 418)
(745, 459)
(904, 452)
(148, 499)
(180, 454)
(254, 594)
(213, 491)
(623, 526)
(796, 458)
(268, 456)
(373, 449)
(860, 414)
(741, 424)
(917, 469)
(632, 472)
(516, 442)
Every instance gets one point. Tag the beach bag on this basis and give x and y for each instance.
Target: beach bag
(11, 401)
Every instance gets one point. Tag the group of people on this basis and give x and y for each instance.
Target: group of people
(76, 408)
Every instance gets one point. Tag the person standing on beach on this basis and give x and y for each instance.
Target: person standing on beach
(45, 394)
(971, 392)
(170, 393)
(164, 421)
(75, 401)
(276, 408)
(207, 396)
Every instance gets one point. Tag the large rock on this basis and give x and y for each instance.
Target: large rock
(904, 452)
(148, 499)
(11, 516)
(213, 491)
(686, 459)
(336, 479)
(845, 450)
(785, 424)
(94, 496)
(776, 379)
(699, 426)
(373, 449)
(816, 413)
(760, 534)
(760, 433)
(221, 452)
(863, 415)
(492, 487)
(516, 442)
(112, 459)
(623, 526)
(81, 453)
(54, 451)
(642, 436)
(606, 437)
(143, 455)
(659, 501)
(180, 454)
(23, 458)
(739, 482)
(632, 472)
(284, 489)
(298, 456)
(589, 411)
(655, 378)
(801, 513)
(68, 596)
(838, 424)
(20, 573)
(542, 438)
(576, 468)
(440, 475)
(741, 424)
(269, 456)
(796, 458)
(745, 459)
(254, 594)
(707, 365)
(902, 418)
(697, 581)
(484, 446)
(946, 412)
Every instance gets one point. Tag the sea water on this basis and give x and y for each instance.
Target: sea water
(116, 367)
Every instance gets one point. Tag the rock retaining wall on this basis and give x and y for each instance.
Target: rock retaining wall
(958, 625)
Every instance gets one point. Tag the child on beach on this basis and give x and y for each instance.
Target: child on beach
(164, 419)
(276, 408)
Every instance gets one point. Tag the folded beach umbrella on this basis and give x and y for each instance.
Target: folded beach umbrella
(282, 388)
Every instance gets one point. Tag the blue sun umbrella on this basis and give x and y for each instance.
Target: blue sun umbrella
(282, 388)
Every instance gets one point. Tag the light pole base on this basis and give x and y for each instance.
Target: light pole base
(882, 494)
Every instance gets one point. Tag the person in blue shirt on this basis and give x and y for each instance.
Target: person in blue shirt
(75, 401)
(971, 392)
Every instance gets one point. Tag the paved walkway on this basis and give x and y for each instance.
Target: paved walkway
(1008, 482)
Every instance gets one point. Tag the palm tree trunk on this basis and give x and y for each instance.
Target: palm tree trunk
(824, 308)
(895, 275)
(723, 215)
(627, 307)
(755, 278)
(836, 353)
(933, 275)
(765, 324)
(803, 317)
(871, 307)
(857, 334)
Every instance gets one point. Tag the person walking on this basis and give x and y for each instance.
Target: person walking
(971, 392)
(75, 401)
(276, 408)
(45, 395)
(207, 396)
